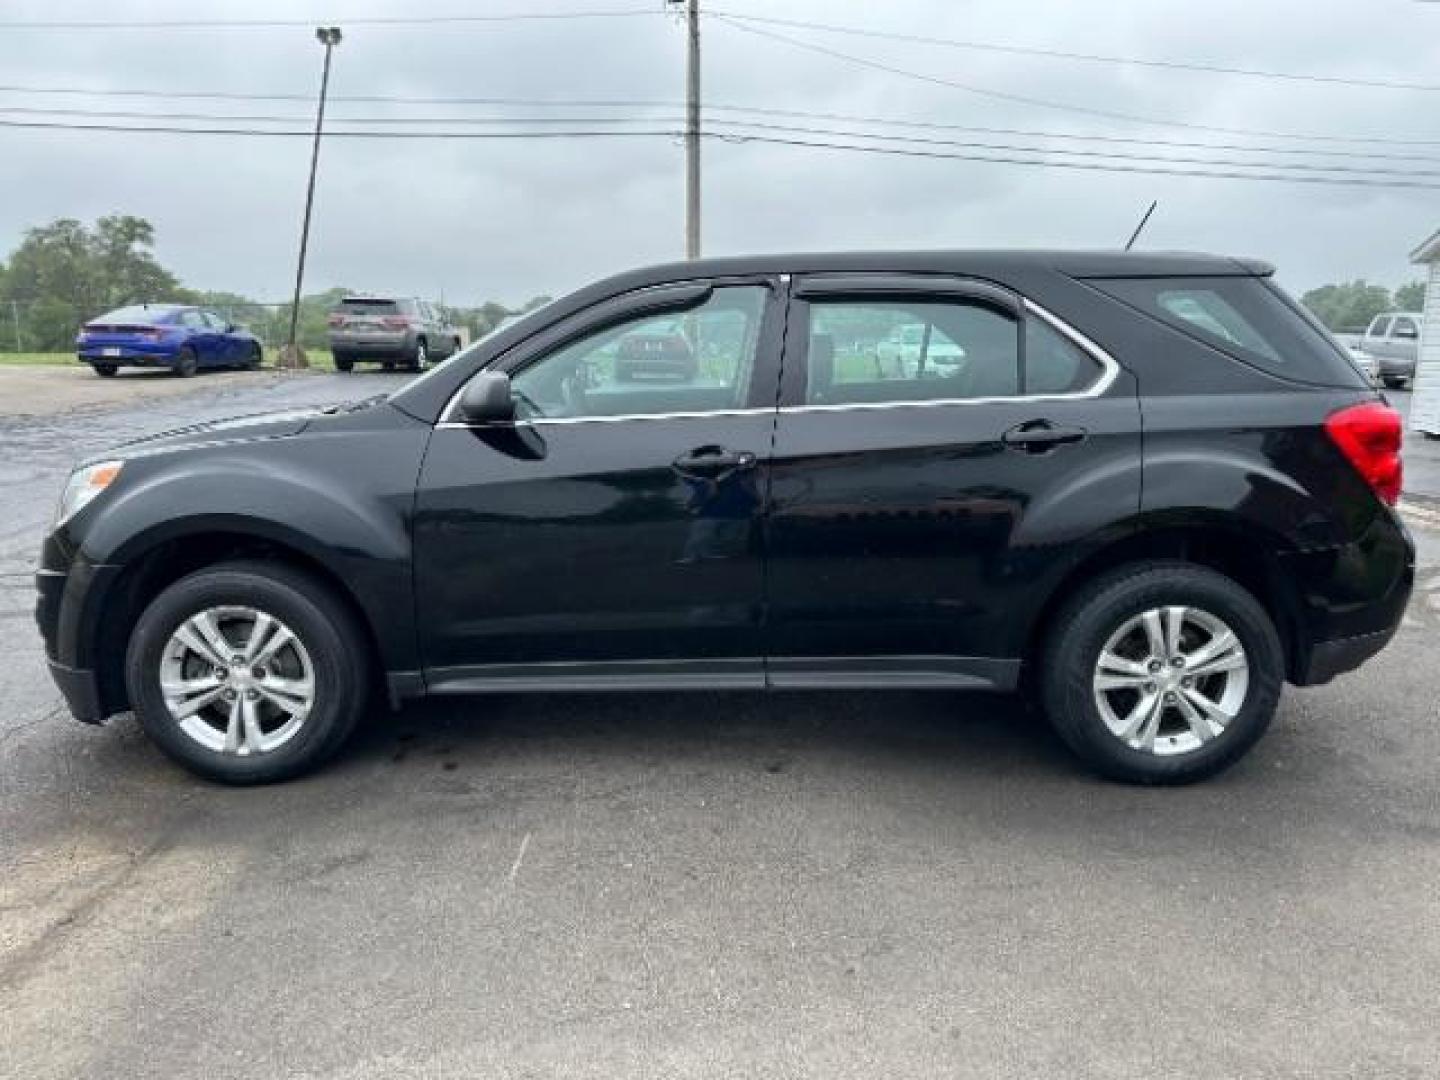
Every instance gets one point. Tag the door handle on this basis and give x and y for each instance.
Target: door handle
(714, 461)
(1041, 436)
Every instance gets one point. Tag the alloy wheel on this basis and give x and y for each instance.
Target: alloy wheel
(1170, 680)
(237, 680)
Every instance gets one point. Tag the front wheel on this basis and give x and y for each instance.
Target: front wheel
(185, 363)
(254, 358)
(247, 672)
(343, 361)
(1162, 673)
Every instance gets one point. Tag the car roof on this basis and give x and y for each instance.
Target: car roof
(1076, 263)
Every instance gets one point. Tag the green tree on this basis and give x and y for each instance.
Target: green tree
(1348, 306)
(64, 273)
(1410, 297)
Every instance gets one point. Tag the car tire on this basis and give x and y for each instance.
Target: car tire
(254, 359)
(420, 358)
(455, 347)
(343, 361)
(261, 733)
(1094, 707)
(185, 362)
(1394, 382)
(105, 370)
(387, 365)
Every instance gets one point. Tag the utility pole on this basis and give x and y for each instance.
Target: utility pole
(692, 131)
(329, 36)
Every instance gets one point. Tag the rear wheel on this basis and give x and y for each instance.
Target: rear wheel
(105, 370)
(343, 361)
(185, 363)
(254, 358)
(247, 672)
(1162, 673)
(420, 360)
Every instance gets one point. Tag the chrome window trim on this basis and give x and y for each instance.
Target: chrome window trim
(1110, 371)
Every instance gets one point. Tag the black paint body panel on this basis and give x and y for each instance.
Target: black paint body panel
(869, 546)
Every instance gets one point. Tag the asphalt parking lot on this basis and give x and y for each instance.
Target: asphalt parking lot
(896, 884)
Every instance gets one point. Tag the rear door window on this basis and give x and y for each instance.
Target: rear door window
(878, 351)
(1379, 326)
(1247, 318)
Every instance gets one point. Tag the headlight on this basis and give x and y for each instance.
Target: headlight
(84, 484)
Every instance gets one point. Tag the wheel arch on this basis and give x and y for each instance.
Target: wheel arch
(1242, 551)
(167, 559)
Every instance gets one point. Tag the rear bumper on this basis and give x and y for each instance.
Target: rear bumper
(1331, 658)
(386, 346)
(1396, 366)
(129, 356)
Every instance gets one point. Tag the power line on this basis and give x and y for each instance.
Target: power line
(289, 24)
(1153, 166)
(1022, 99)
(649, 103)
(1095, 58)
(1097, 167)
(288, 132)
(266, 118)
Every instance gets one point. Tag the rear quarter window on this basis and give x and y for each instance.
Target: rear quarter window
(1247, 318)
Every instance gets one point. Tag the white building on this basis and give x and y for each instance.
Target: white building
(1425, 406)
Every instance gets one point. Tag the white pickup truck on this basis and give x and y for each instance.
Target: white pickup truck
(1393, 339)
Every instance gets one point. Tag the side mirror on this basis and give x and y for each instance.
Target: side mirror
(486, 399)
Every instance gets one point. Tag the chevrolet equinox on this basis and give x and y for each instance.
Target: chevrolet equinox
(1146, 489)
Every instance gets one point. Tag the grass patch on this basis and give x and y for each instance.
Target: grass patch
(320, 359)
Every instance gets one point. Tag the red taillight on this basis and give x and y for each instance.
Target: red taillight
(1369, 436)
(395, 322)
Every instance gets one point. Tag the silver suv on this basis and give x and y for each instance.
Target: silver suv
(403, 332)
(1393, 339)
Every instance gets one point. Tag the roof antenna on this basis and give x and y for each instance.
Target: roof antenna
(1139, 228)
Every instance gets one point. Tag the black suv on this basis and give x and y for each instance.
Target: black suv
(1148, 489)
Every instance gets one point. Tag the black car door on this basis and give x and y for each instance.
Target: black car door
(919, 511)
(611, 535)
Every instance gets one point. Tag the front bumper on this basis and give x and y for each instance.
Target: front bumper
(69, 593)
(81, 691)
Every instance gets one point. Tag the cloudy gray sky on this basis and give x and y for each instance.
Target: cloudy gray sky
(505, 219)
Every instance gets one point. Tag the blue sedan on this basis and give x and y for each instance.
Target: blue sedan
(183, 339)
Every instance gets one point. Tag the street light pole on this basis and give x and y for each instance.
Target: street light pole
(329, 36)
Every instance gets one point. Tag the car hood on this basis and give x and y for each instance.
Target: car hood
(271, 425)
